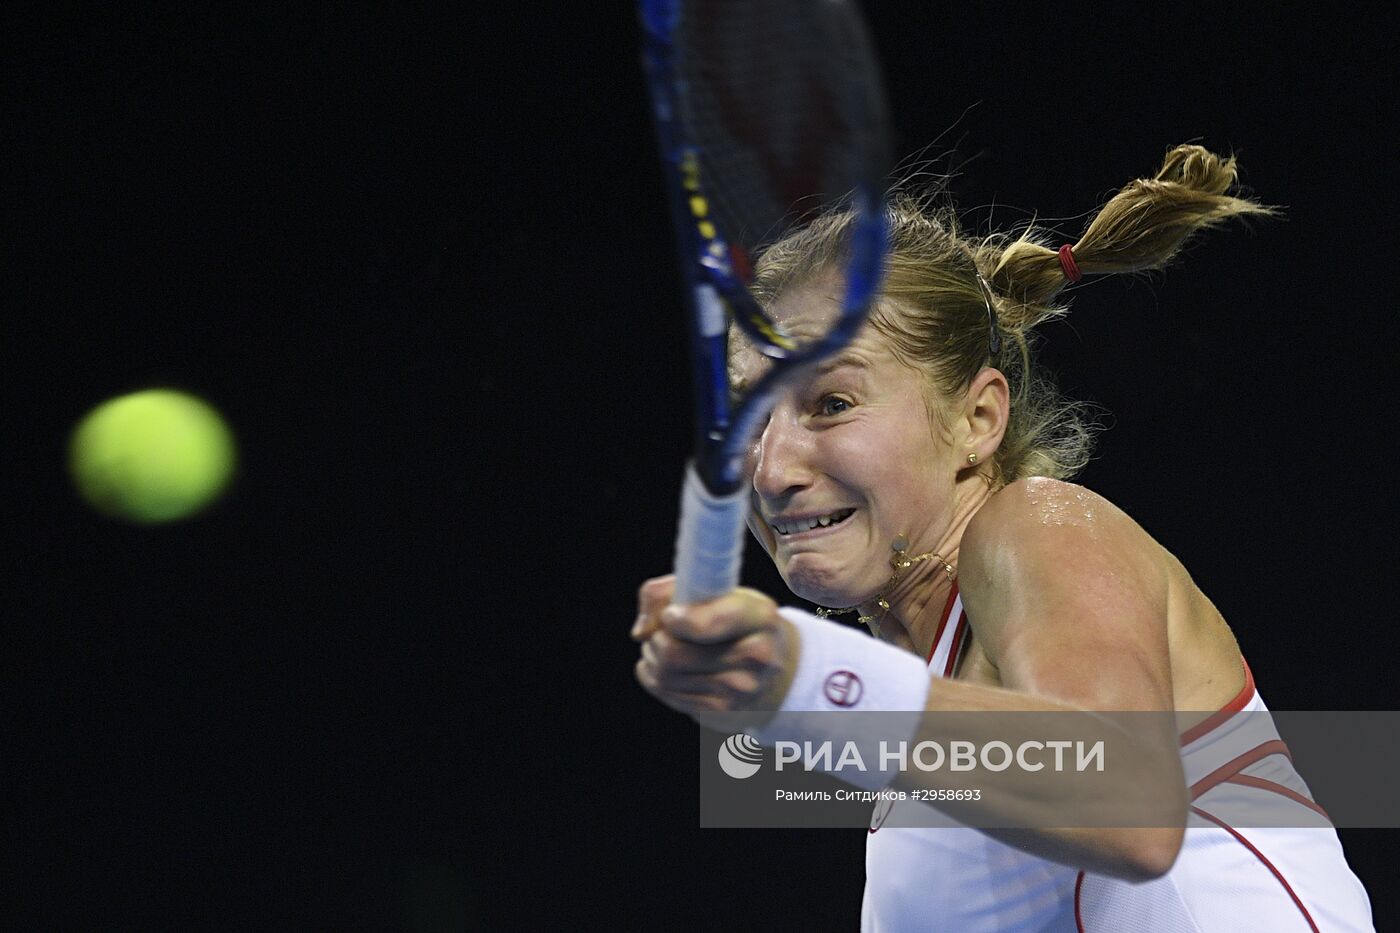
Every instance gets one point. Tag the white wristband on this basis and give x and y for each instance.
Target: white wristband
(841, 670)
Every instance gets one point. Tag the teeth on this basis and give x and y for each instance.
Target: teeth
(822, 521)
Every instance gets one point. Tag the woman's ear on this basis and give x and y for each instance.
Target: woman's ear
(985, 414)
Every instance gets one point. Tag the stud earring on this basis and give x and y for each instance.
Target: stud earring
(971, 458)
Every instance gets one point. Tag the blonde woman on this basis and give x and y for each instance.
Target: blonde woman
(922, 479)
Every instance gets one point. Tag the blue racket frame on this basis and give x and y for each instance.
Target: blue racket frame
(714, 504)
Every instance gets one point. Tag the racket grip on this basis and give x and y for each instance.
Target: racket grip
(710, 542)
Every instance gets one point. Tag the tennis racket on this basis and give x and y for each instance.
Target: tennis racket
(762, 108)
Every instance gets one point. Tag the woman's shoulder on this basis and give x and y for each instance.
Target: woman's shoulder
(1061, 520)
(1047, 502)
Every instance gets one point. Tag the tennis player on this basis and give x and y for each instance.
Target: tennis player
(921, 479)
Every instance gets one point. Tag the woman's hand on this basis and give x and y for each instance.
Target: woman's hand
(731, 654)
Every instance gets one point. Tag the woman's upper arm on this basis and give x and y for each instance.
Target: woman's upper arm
(1068, 597)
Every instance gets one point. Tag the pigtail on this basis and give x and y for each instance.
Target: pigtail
(1142, 227)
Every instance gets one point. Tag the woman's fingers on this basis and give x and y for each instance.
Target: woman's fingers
(730, 617)
(728, 654)
(682, 657)
(733, 686)
(653, 596)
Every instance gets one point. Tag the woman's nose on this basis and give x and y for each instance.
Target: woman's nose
(781, 458)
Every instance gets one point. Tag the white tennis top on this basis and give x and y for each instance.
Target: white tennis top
(1275, 880)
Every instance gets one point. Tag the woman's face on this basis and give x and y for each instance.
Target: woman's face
(849, 460)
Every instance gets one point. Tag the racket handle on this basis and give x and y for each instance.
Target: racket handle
(710, 542)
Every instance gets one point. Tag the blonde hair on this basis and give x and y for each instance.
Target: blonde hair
(933, 309)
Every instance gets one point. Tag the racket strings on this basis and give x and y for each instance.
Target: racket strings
(771, 96)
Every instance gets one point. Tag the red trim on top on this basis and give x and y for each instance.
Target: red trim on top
(1249, 780)
(1267, 864)
(959, 642)
(1240, 701)
(1235, 765)
(943, 622)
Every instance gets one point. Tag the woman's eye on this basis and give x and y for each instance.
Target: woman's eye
(831, 405)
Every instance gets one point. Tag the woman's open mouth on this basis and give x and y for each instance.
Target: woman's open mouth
(800, 525)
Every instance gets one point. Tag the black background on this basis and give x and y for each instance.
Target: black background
(421, 261)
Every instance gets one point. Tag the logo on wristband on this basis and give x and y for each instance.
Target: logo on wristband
(843, 688)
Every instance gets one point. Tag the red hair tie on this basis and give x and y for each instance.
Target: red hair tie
(1068, 264)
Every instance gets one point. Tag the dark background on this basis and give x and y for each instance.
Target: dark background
(422, 264)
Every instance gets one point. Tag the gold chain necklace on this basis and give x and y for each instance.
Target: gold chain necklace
(900, 562)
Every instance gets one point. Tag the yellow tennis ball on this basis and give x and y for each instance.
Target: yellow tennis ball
(151, 456)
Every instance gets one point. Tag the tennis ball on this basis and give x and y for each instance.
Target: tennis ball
(151, 456)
